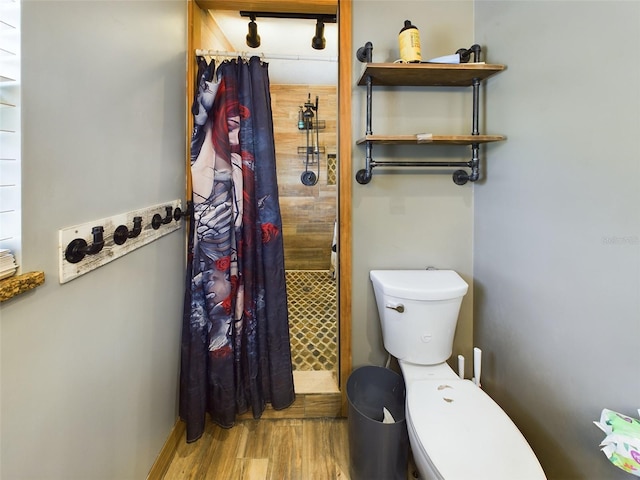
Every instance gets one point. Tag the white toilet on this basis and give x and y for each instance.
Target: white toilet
(456, 431)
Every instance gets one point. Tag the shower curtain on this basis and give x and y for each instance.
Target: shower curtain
(236, 352)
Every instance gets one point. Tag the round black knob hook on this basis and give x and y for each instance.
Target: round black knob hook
(120, 235)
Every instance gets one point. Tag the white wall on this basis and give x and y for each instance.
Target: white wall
(410, 218)
(557, 228)
(90, 368)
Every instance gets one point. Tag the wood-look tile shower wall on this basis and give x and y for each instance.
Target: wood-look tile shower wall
(308, 213)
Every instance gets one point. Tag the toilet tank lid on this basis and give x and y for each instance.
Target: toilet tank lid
(466, 434)
(420, 284)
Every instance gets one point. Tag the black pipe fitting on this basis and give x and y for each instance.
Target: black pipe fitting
(365, 53)
(78, 248)
(157, 221)
(137, 227)
(122, 233)
(465, 53)
(178, 213)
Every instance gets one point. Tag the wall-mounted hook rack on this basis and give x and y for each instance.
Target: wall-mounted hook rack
(85, 247)
(428, 75)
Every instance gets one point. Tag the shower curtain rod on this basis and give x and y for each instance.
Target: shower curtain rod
(264, 56)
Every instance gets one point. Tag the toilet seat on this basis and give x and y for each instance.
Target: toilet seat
(463, 434)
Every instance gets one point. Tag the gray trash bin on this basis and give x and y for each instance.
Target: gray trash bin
(377, 450)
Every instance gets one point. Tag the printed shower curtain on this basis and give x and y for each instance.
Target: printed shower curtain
(236, 352)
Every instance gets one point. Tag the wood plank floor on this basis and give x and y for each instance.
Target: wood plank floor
(287, 449)
(279, 449)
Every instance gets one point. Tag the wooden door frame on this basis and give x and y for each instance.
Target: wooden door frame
(344, 10)
(345, 41)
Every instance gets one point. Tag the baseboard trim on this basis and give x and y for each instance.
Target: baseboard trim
(160, 466)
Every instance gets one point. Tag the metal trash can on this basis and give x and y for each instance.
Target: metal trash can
(377, 450)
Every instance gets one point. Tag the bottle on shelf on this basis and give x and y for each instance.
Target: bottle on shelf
(409, 39)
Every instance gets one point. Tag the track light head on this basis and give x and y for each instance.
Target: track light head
(318, 42)
(253, 39)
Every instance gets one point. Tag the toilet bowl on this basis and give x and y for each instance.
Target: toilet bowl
(456, 431)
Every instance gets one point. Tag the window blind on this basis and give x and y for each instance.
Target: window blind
(10, 177)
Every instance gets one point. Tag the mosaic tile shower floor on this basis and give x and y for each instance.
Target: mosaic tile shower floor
(312, 305)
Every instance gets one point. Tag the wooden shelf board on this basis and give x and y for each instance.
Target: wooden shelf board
(12, 286)
(427, 74)
(435, 139)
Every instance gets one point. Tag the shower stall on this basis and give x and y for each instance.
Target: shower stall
(309, 215)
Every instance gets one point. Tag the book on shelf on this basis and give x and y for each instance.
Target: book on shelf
(8, 266)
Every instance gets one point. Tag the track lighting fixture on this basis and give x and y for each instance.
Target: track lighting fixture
(253, 39)
(318, 42)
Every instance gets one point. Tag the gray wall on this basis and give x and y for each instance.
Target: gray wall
(557, 228)
(90, 368)
(550, 238)
(410, 218)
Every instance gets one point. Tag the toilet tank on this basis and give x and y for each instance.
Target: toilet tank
(418, 312)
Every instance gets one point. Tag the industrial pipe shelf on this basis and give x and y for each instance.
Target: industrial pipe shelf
(462, 74)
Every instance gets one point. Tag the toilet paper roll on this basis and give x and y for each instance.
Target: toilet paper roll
(622, 443)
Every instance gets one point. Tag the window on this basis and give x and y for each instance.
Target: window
(10, 150)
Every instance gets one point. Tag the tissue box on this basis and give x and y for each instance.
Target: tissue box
(622, 443)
